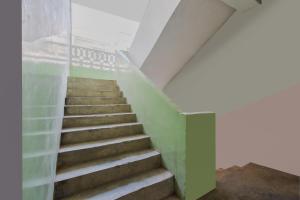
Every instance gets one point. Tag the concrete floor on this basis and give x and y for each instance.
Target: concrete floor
(254, 182)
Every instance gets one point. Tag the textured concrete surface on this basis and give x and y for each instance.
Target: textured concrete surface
(94, 109)
(77, 153)
(104, 153)
(93, 93)
(254, 182)
(102, 132)
(97, 119)
(94, 100)
(136, 188)
(97, 172)
(172, 198)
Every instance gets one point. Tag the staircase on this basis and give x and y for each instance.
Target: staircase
(104, 153)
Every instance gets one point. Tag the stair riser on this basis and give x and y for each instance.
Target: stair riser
(100, 134)
(174, 197)
(86, 110)
(75, 185)
(92, 93)
(157, 191)
(99, 120)
(94, 100)
(90, 83)
(79, 156)
(99, 87)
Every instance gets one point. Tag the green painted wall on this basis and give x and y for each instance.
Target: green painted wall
(200, 154)
(186, 141)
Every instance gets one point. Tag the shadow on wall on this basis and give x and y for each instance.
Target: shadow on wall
(227, 36)
(265, 132)
(248, 73)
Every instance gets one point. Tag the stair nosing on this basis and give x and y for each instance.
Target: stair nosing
(117, 97)
(105, 126)
(100, 143)
(92, 90)
(91, 79)
(128, 186)
(68, 96)
(98, 105)
(98, 115)
(104, 164)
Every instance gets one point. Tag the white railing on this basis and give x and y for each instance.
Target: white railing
(84, 53)
(92, 58)
(92, 54)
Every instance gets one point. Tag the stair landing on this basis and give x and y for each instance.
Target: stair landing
(254, 182)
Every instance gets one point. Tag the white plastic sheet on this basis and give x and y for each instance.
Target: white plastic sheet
(45, 64)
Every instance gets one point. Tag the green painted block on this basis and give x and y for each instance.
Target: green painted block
(200, 154)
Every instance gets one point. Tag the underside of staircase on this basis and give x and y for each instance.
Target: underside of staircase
(104, 153)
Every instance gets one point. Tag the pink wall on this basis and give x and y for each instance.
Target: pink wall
(266, 132)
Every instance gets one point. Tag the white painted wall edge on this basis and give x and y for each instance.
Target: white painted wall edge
(191, 25)
(156, 16)
(197, 113)
(242, 5)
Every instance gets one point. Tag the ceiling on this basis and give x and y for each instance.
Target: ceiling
(129, 9)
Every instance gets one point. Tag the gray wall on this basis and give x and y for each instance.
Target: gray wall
(191, 25)
(249, 70)
(255, 54)
(152, 24)
(129, 9)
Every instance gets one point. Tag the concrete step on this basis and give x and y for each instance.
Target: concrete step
(75, 82)
(107, 87)
(78, 153)
(97, 119)
(95, 100)
(96, 109)
(228, 171)
(94, 86)
(92, 174)
(95, 133)
(86, 92)
(154, 185)
(173, 197)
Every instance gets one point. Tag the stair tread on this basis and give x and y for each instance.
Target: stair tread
(94, 165)
(112, 97)
(85, 128)
(94, 90)
(101, 97)
(87, 145)
(172, 198)
(99, 115)
(98, 105)
(125, 186)
(71, 78)
(102, 164)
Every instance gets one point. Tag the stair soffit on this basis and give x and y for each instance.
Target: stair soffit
(242, 5)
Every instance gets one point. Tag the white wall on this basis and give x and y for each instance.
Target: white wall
(111, 30)
(242, 5)
(191, 25)
(129, 9)
(153, 22)
(254, 56)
